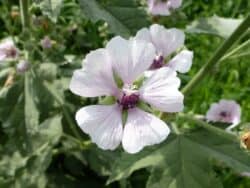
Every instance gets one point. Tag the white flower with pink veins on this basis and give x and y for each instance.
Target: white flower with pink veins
(225, 111)
(163, 7)
(8, 50)
(128, 59)
(166, 42)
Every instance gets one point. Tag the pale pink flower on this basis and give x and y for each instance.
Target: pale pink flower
(166, 42)
(22, 66)
(8, 50)
(128, 59)
(46, 42)
(225, 111)
(163, 7)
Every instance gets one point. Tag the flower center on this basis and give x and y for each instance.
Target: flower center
(12, 52)
(129, 98)
(129, 101)
(157, 63)
(224, 114)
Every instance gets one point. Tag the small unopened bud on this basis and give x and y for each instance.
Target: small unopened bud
(46, 42)
(14, 12)
(245, 139)
(22, 66)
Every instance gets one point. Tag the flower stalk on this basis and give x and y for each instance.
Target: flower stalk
(203, 124)
(24, 6)
(243, 27)
(234, 51)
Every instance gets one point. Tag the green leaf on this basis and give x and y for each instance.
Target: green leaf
(127, 164)
(51, 8)
(3, 74)
(182, 158)
(123, 16)
(184, 166)
(49, 132)
(28, 170)
(96, 156)
(214, 25)
(30, 108)
(47, 71)
(9, 97)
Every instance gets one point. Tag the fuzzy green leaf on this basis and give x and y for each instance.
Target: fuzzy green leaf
(214, 25)
(51, 8)
(123, 16)
(182, 158)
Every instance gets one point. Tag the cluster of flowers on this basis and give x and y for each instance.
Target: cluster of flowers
(225, 111)
(146, 67)
(9, 52)
(148, 75)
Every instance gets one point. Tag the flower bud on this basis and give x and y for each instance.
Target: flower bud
(245, 139)
(46, 42)
(163, 7)
(22, 66)
(15, 12)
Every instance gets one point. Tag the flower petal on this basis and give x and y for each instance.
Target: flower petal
(2, 56)
(103, 124)
(7, 43)
(175, 3)
(231, 110)
(165, 40)
(161, 91)
(96, 77)
(142, 129)
(143, 34)
(182, 62)
(157, 7)
(130, 58)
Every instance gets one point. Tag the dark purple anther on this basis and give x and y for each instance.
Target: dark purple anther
(129, 101)
(157, 63)
(12, 52)
(223, 114)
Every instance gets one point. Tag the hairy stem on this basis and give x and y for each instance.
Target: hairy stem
(217, 56)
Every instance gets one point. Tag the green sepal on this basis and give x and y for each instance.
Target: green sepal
(142, 105)
(107, 100)
(124, 116)
(118, 80)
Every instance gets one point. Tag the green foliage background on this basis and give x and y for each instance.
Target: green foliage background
(40, 143)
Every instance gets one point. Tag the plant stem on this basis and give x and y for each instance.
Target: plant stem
(231, 53)
(217, 56)
(207, 126)
(73, 139)
(79, 145)
(239, 55)
(24, 6)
